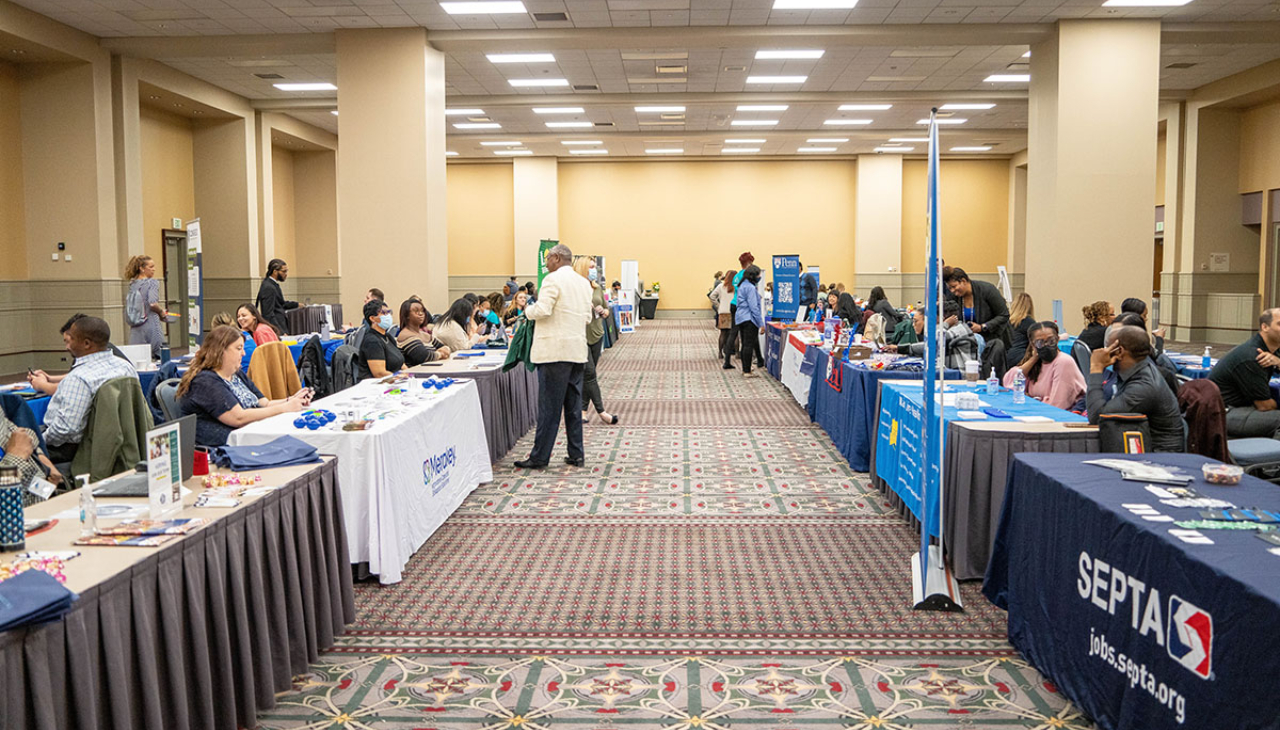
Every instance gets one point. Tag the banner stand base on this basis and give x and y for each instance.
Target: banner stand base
(938, 590)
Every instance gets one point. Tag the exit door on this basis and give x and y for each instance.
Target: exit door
(175, 286)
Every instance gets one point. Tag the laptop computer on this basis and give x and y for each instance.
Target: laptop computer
(135, 484)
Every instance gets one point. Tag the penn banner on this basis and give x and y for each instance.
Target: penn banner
(544, 246)
(786, 286)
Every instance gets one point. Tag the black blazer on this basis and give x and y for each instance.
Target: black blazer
(991, 311)
(272, 304)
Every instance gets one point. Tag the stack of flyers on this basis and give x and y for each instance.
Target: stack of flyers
(143, 533)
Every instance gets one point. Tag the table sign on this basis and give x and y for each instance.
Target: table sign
(164, 471)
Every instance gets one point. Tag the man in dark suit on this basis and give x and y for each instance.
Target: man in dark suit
(985, 311)
(271, 302)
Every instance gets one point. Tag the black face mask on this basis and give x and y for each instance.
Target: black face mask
(1047, 352)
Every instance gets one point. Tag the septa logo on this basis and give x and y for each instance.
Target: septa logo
(1190, 639)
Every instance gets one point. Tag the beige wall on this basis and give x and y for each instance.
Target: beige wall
(282, 201)
(315, 220)
(1260, 148)
(168, 175)
(1162, 147)
(974, 203)
(683, 221)
(13, 247)
(481, 221)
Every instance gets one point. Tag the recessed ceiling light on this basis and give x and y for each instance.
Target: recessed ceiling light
(478, 125)
(569, 125)
(965, 107)
(970, 149)
(334, 112)
(816, 149)
(463, 112)
(659, 109)
(739, 150)
(753, 122)
(763, 108)
(523, 153)
(846, 122)
(154, 97)
(450, 153)
(588, 152)
(665, 151)
(17, 52)
(580, 141)
(894, 149)
(196, 111)
(1008, 78)
(1145, 3)
(502, 143)
(777, 79)
(744, 141)
(949, 120)
(537, 82)
(788, 55)
(520, 58)
(814, 4)
(497, 7)
(558, 110)
(908, 139)
(827, 140)
(864, 107)
(310, 86)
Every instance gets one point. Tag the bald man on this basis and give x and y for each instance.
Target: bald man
(1139, 387)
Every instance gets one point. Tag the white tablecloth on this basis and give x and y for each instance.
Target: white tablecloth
(793, 348)
(401, 479)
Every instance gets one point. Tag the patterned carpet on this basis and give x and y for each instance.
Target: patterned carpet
(716, 565)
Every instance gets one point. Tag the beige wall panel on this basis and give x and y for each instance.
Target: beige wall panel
(878, 220)
(683, 221)
(535, 190)
(226, 197)
(282, 202)
(13, 246)
(168, 175)
(315, 207)
(974, 202)
(1260, 148)
(481, 222)
(1162, 148)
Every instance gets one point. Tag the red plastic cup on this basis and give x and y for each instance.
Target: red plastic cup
(200, 465)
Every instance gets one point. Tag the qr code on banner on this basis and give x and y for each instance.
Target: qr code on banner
(784, 291)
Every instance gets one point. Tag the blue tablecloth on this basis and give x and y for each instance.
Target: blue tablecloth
(848, 415)
(1064, 345)
(1136, 627)
(38, 405)
(773, 336)
(900, 427)
(1190, 366)
(329, 347)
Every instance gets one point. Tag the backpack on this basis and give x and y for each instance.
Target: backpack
(135, 305)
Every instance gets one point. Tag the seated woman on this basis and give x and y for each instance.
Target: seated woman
(223, 319)
(417, 344)
(1051, 376)
(486, 317)
(380, 356)
(1097, 317)
(221, 396)
(515, 309)
(847, 309)
(250, 320)
(881, 305)
(457, 330)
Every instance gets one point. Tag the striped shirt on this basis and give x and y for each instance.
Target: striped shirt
(68, 412)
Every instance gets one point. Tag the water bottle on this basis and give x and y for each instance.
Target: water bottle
(88, 508)
(993, 384)
(1206, 362)
(1019, 389)
(165, 353)
(13, 534)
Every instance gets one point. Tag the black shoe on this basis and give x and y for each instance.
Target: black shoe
(727, 366)
(527, 464)
(574, 462)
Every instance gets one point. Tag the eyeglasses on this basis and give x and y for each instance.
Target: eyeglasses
(385, 311)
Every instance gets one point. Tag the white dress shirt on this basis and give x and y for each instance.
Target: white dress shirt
(563, 311)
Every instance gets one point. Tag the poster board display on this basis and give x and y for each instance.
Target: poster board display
(786, 286)
(544, 246)
(195, 292)
(164, 471)
(630, 279)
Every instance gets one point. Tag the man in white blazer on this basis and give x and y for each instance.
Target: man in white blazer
(562, 313)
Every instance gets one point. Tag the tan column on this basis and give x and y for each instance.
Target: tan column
(391, 168)
(1092, 167)
(537, 210)
(877, 225)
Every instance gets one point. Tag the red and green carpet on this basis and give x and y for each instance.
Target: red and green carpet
(716, 565)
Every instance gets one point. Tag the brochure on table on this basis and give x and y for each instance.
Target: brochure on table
(164, 471)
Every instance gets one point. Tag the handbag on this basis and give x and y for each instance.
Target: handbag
(1123, 433)
(724, 321)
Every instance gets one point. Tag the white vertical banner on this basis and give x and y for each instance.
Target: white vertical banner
(627, 311)
(195, 293)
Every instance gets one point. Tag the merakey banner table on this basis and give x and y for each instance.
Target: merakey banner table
(1133, 625)
(403, 478)
(508, 400)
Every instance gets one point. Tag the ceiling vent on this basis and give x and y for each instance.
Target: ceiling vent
(655, 56)
(1019, 66)
(604, 124)
(671, 69)
(735, 69)
(550, 17)
(269, 76)
(1181, 64)
(585, 87)
(671, 117)
(479, 119)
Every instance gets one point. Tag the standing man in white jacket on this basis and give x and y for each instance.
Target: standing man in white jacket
(562, 312)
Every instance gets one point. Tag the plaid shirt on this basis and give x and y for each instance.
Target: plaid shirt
(68, 412)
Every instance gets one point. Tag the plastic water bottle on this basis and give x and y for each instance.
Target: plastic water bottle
(993, 384)
(1206, 362)
(1019, 389)
(88, 508)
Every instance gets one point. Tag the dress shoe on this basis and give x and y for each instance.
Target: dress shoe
(527, 464)
(574, 462)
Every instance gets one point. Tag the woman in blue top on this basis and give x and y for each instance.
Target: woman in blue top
(223, 318)
(750, 319)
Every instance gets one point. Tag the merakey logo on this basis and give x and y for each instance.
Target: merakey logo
(435, 470)
(1190, 636)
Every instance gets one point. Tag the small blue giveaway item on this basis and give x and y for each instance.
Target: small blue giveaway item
(995, 412)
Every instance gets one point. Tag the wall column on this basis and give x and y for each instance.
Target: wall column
(537, 211)
(877, 224)
(391, 168)
(1092, 164)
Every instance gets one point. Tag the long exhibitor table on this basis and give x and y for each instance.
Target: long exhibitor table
(508, 400)
(402, 478)
(977, 456)
(201, 632)
(1137, 627)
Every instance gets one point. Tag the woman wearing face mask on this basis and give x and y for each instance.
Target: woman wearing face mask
(1051, 376)
(380, 356)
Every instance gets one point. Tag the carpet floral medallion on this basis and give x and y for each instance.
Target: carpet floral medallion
(715, 565)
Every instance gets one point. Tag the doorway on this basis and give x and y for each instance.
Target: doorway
(175, 285)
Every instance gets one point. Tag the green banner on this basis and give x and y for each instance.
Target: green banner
(543, 247)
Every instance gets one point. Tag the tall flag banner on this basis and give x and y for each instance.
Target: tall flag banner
(934, 587)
